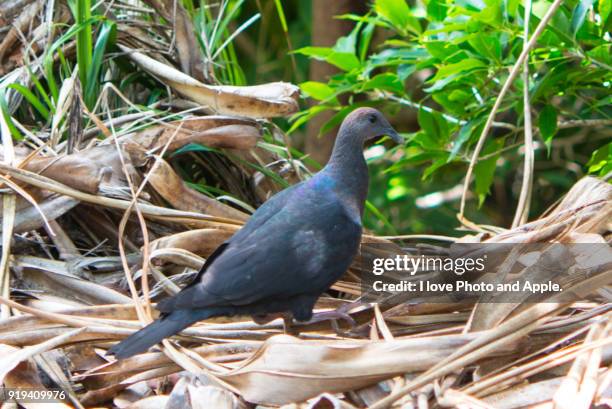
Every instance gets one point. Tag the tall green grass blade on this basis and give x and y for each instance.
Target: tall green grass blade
(50, 76)
(105, 36)
(66, 69)
(188, 4)
(238, 77)
(281, 15)
(84, 40)
(55, 47)
(220, 21)
(7, 117)
(283, 21)
(239, 30)
(31, 98)
(381, 217)
(40, 89)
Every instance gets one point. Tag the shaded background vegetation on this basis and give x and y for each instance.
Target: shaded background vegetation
(434, 67)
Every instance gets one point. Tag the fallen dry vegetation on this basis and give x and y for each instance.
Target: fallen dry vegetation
(97, 225)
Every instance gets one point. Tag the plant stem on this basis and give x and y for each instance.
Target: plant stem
(84, 41)
(522, 208)
(483, 136)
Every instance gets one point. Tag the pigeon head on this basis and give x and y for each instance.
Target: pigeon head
(369, 123)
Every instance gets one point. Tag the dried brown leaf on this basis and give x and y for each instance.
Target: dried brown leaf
(85, 170)
(214, 131)
(289, 370)
(19, 25)
(172, 188)
(201, 242)
(11, 357)
(259, 101)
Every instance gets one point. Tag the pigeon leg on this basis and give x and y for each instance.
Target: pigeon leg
(341, 313)
(333, 316)
(288, 326)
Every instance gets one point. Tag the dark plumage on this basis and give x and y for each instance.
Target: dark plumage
(293, 248)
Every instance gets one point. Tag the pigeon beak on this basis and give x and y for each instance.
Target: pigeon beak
(394, 136)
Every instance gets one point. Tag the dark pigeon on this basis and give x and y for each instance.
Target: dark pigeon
(293, 248)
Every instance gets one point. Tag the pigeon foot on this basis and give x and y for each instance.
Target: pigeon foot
(334, 317)
(342, 313)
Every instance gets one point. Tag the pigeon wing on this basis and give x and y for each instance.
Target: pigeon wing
(300, 249)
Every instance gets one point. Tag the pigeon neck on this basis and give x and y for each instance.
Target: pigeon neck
(347, 152)
(348, 166)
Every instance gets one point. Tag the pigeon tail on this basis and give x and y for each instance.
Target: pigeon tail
(159, 329)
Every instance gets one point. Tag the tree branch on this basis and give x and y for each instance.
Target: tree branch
(513, 73)
(522, 208)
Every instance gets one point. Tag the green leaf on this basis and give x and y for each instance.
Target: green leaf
(436, 10)
(31, 98)
(317, 90)
(397, 192)
(344, 61)
(48, 60)
(335, 120)
(491, 14)
(405, 70)
(105, 36)
(456, 102)
(601, 160)
(419, 158)
(511, 7)
(394, 57)
(579, 14)
(434, 125)
(84, 39)
(547, 122)
(398, 14)
(551, 82)
(4, 110)
(427, 142)
(487, 45)
(469, 64)
(301, 118)
(605, 10)
(441, 49)
(281, 15)
(601, 53)
(434, 167)
(387, 81)
(461, 96)
(315, 52)
(447, 28)
(484, 171)
(464, 135)
(365, 37)
(347, 44)
(39, 88)
(193, 147)
(438, 85)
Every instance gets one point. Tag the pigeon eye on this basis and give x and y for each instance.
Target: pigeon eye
(372, 118)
